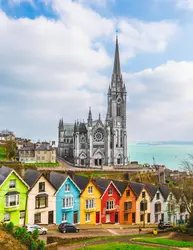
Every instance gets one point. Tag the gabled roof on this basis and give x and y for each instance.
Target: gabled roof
(31, 176)
(81, 181)
(137, 187)
(121, 185)
(44, 147)
(102, 184)
(151, 189)
(5, 172)
(57, 179)
(164, 190)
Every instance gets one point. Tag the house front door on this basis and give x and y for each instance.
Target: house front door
(97, 217)
(116, 217)
(22, 218)
(107, 218)
(75, 217)
(50, 217)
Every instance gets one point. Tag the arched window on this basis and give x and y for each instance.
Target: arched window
(118, 109)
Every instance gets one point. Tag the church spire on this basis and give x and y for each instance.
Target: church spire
(117, 68)
(90, 117)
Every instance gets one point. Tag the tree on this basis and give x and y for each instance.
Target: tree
(186, 187)
(11, 149)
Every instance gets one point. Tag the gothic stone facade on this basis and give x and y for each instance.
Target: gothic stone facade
(98, 143)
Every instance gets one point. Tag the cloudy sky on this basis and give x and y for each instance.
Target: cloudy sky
(56, 60)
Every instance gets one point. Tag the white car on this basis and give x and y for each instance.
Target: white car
(31, 228)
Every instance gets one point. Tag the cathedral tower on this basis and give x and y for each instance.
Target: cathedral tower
(116, 113)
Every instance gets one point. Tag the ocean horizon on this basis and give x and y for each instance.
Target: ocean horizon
(168, 153)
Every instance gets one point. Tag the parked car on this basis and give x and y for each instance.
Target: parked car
(67, 228)
(163, 225)
(31, 228)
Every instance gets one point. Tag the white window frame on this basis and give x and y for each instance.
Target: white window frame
(67, 187)
(14, 180)
(90, 189)
(110, 204)
(64, 217)
(8, 216)
(68, 202)
(87, 217)
(8, 200)
(90, 204)
(110, 191)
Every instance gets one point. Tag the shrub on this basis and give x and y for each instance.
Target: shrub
(183, 228)
(35, 234)
(9, 227)
(41, 245)
(20, 232)
(33, 245)
(190, 231)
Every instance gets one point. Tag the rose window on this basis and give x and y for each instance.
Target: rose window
(99, 135)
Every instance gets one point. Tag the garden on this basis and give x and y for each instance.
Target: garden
(2, 154)
(31, 241)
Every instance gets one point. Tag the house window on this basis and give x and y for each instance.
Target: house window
(22, 214)
(42, 187)
(82, 162)
(157, 207)
(64, 217)
(90, 189)
(43, 157)
(143, 194)
(143, 205)
(90, 204)
(110, 204)
(127, 193)
(68, 202)
(127, 205)
(44, 152)
(12, 184)
(37, 218)
(12, 200)
(6, 217)
(126, 217)
(182, 208)
(156, 218)
(67, 187)
(87, 217)
(41, 202)
(142, 217)
(157, 196)
(110, 191)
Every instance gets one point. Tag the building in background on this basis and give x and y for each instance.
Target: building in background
(98, 142)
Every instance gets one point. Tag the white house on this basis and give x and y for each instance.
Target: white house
(41, 198)
(157, 207)
(183, 214)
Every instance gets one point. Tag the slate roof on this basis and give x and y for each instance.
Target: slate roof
(57, 179)
(4, 172)
(164, 190)
(152, 189)
(137, 187)
(81, 181)
(44, 147)
(121, 185)
(31, 176)
(102, 184)
(27, 148)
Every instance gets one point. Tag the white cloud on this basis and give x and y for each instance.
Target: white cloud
(160, 104)
(184, 4)
(50, 68)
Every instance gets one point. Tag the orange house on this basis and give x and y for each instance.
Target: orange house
(127, 205)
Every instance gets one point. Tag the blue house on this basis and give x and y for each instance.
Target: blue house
(67, 198)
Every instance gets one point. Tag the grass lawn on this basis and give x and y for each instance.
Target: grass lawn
(120, 246)
(165, 242)
(45, 164)
(109, 238)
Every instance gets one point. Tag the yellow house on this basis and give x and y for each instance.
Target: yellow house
(90, 204)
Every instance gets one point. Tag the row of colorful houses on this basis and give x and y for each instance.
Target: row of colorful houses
(56, 197)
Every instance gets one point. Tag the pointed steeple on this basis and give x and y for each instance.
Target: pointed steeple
(75, 127)
(99, 116)
(90, 117)
(117, 68)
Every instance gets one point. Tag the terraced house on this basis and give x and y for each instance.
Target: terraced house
(41, 198)
(67, 198)
(90, 204)
(13, 197)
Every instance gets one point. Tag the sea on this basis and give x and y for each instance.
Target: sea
(170, 154)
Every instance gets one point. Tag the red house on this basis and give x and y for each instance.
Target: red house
(109, 201)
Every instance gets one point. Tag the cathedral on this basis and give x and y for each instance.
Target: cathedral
(99, 143)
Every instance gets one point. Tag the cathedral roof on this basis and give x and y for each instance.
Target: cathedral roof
(117, 68)
(82, 128)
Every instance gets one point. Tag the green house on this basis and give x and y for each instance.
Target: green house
(13, 197)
